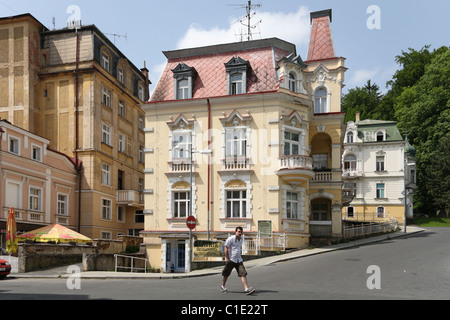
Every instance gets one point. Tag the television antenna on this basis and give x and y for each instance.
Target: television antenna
(249, 7)
(115, 35)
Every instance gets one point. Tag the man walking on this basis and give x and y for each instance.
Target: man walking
(233, 257)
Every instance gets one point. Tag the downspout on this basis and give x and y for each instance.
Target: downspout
(77, 164)
(209, 169)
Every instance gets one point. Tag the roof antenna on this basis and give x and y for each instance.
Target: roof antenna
(248, 17)
(115, 35)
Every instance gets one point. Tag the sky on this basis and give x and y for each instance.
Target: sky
(369, 34)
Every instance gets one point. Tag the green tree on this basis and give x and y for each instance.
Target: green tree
(364, 100)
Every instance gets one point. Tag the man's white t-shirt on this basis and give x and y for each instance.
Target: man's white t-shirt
(234, 249)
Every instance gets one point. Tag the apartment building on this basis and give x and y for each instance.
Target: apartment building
(78, 90)
(244, 134)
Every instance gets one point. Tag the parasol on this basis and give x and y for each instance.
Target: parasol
(11, 232)
(56, 233)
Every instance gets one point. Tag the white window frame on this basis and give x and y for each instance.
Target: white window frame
(122, 109)
(177, 204)
(120, 76)
(183, 88)
(380, 192)
(180, 149)
(106, 134)
(288, 141)
(62, 204)
(241, 201)
(292, 79)
(141, 92)
(141, 154)
(236, 142)
(237, 85)
(106, 174)
(380, 164)
(350, 163)
(33, 197)
(37, 148)
(321, 102)
(106, 205)
(141, 122)
(106, 61)
(16, 146)
(292, 205)
(122, 142)
(106, 97)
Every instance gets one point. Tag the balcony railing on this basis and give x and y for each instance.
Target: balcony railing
(180, 166)
(236, 163)
(296, 162)
(130, 197)
(25, 215)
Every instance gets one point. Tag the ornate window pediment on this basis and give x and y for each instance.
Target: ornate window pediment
(237, 69)
(183, 81)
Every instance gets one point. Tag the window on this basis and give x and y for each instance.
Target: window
(320, 212)
(141, 122)
(62, 205)
(236, 84)
(236, 143)
(120, 76)
(121, 214)
(183, 89)
(106, 209)
(380, 163)
(105, 61)
(139, 217)
(35, 199)
(106, 134)
(350, 137)
(122, 109)
(106, 235)
(380, 212)
(320, 161)
(380, 190)
(380, 136)
(292, 205)
(320, 105)
(350, 212)
(106, 174)
(291, 143)
(36, 153)
(141, 92)
(106, 97)
(181, 204)
(292, 82)
(350, 163)
(141, 154)
(14, 145)
(236, 204)
(181, 142)
(122, 142)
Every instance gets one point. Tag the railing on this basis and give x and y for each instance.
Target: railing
(129, 196)
(289, 162)
(270, 243)
(368, 229)
(180, 166)
(236, 163)
(25, 215)
(132, 263)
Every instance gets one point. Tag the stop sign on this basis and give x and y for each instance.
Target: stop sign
(191, 222)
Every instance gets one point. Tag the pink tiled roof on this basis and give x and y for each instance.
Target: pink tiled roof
(211, 78)
(321, 43)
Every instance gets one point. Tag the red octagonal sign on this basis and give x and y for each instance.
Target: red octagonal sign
(191, 222)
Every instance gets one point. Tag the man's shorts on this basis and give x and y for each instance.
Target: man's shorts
(231, 265)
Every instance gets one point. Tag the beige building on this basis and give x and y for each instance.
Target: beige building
(273, 126)
(75, 88)
(38, 182)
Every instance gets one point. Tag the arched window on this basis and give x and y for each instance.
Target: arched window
(350, 163)
(380, 136)
(292, 82)
(350, 137)
(320, 104)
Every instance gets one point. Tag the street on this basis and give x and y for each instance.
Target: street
(413, 267)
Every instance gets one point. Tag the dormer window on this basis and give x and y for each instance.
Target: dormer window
(292, 82)
(105, 61)
(183, 80)
(380, 136)
(350, 137)
(237, 69)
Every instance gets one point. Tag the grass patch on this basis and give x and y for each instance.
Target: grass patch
(432, 222)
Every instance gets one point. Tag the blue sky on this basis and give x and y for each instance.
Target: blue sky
(155, 26)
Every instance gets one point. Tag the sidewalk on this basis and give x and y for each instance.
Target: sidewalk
(103, 275)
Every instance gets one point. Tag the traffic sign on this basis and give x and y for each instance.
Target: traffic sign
(191, 222)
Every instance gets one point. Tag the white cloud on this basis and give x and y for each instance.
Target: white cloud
(378, 75)
(292, 27)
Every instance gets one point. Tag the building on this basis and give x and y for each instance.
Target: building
(379, 165)
(77, 89)
(38, 182)
(273, 125)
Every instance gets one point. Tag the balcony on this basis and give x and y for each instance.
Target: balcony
(25, 215)
(296, 170)
(351, 173)
(130, 198)
(180, 165)
(236, 163)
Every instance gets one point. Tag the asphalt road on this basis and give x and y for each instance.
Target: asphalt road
(413, 267)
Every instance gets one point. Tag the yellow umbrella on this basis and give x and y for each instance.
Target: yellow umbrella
(11, 232)
(56, 233)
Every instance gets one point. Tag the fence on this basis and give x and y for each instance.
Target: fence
(370, 228)
(269, 243)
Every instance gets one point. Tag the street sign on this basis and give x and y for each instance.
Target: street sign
(191, 222)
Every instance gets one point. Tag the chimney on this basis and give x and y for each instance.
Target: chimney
(147, 82)
(358, 115)
(321, 42)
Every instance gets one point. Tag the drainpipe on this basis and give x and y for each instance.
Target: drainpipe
(209, 168)
(77, 165)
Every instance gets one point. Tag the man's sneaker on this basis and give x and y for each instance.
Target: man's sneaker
(249, 291)
(223, 289)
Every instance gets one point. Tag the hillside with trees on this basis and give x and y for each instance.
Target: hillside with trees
(418, 98)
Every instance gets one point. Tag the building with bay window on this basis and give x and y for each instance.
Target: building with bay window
(244, 134)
